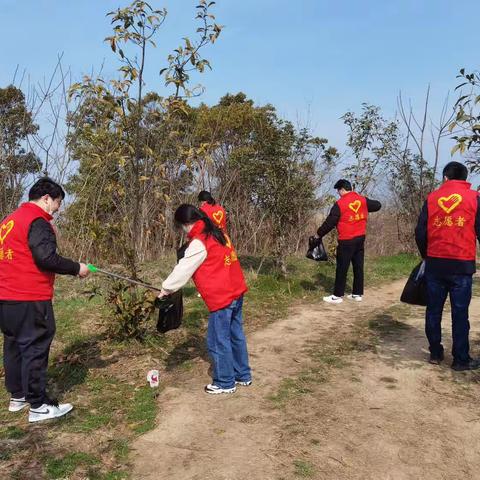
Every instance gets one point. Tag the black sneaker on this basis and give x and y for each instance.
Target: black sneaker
(470, 365)
(436, 359)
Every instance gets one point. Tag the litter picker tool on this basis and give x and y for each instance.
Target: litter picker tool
(170, 308)
(95, 269)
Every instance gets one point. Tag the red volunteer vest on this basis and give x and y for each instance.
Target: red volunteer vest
(20, 278)
(353, 216)
(216, 213)
(451, 221)
(219, 279)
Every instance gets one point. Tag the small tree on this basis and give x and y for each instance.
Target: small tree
(112, 130)
(17, 161)
(371, 139)
(466, 125)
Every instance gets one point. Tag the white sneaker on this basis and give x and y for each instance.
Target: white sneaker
(216, 390)
(356, 298)
(333, 299)
(47, 411)
(243, 384)
(17, 404)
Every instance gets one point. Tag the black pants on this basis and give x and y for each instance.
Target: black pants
(350, 251)
(28, 330)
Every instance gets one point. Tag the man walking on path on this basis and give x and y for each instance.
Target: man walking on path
(28, 264)
(349, 215)
(446, 235)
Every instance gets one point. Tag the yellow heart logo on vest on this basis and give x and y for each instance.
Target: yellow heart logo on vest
(218, 216)
(355, 206)
(5, 229)
(450, 203)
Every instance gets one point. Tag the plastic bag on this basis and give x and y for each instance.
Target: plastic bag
(170, 309)
(316, 250)
(415, 290)
(170, 312)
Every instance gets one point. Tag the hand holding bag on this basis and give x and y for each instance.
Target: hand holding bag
(316, 250)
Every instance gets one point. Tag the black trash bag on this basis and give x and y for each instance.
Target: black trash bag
(170, 312)
(170, 308)
(316, 250)
(415, 290)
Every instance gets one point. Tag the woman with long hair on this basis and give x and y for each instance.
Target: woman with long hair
(211, 261)
(214, 211)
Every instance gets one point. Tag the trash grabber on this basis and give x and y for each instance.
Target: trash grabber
(95, 269)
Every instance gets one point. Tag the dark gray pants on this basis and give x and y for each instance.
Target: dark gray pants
(28, 330)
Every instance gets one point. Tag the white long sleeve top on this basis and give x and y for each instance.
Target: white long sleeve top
(195, 255)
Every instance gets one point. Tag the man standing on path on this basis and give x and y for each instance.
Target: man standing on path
(28, 264)
(349, 215)
(446, 235)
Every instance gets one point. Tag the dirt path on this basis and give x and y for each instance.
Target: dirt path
(381, 415)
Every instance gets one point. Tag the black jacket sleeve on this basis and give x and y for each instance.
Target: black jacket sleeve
(330, 222)
(477, 219)
(421, 231)
(43, 245)
(373, 205)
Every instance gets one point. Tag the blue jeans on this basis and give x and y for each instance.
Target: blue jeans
(227, 345)
(459, 287)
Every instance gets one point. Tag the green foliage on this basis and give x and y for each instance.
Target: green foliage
(126, 141)
(186, 58)
(373, 141)
(466, 124)
(16, 160)
(266, 172)
(131, 311)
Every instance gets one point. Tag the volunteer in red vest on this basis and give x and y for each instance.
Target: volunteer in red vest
(211, 261)
(446, 235)
(28, 264)
(349, 215)
(212, 209)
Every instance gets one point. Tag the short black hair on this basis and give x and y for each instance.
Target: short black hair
(342, 183)
(46, 186)
(455, 171)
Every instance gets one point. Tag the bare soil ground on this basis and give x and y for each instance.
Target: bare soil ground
(340, 392)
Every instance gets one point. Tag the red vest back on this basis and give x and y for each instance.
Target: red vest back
(216, 213)
(353, 216)
(451, 221)
(219, 279)
(20, 278)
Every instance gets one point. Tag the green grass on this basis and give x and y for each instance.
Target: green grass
(121, 449)
(143, 412)
(63, 467)
(105, 379)
(304, 469)
(289, 389)
(12, 432)
(382, 269)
